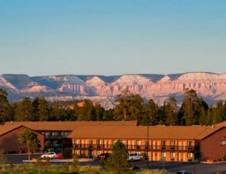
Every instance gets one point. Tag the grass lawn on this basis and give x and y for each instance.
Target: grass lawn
(63, 169)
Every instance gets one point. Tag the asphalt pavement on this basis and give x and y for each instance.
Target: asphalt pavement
(195, 168)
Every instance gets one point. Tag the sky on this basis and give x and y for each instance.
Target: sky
(40, 37)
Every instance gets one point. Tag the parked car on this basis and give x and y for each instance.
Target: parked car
(135, 157)
(102, 156)
(183, 172)
(59, 156)
(52, 155)
(135, 168)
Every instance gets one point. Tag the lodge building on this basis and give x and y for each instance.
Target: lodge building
(88, 139)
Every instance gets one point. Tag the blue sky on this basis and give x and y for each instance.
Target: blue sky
(112, 36)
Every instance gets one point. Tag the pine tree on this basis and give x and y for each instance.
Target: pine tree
(40, 109)
(23, 110)
(99, 112)
(170, 110)
(86, 111)
(129, 107)
(192, 108)
(219, 112)
(58, 112)
(6, 112)
(117, 162)
(150, 116)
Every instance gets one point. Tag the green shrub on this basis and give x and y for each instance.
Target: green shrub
(117, 162)
(65, 169)
(153, 172)
(224, 157)
(3, 159)
(90, 170)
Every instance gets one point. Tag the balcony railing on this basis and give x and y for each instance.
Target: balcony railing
(136, 147)
(55, 136)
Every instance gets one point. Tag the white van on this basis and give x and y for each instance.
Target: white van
(136, 156)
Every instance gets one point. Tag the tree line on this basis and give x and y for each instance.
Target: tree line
(193, 110)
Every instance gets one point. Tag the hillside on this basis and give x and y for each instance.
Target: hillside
(211, 86)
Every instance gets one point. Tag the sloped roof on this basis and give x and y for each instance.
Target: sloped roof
(66, 125)
(212, 129)
(116, 129)
(7, 128)
(127, 132)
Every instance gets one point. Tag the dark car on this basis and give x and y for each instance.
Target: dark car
(135, 168)
(103, 156)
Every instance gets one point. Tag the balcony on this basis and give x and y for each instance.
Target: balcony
(138, 147)
(92, 146)
(164, 148)
(55, 135)
(52, 137)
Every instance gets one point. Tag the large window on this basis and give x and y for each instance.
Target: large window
(64, 134)
(90, 142)
(223, 142)
(155, 145)
(98, 142)
(55, 134)
(47, 134)
(190, 143)
(138, 144)
(172, 143)
(190, 155)
(48, 143)
(172, 155)
(163, 143)
(163, 155)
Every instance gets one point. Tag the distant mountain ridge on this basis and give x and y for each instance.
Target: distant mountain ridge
(211, 86)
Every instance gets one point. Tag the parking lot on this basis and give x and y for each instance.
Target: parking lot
(202, 168)
(195, 168)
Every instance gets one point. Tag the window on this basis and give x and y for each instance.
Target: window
(64, 134)
(163, 143)
(56, 143)
(146, 145)
(155, 144)
(90, 141)
(163, 155)
(172, 143)
(190, 155)
(98, 142)
(47, 143)
(172, 155)
(138, 142)
(190, 143)
(223, 142)
(55, 134)
(47, 134)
